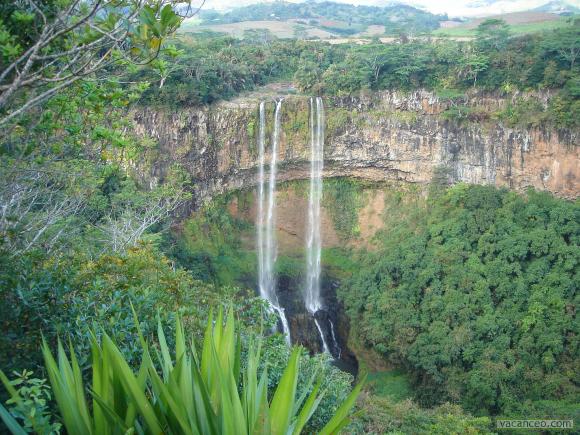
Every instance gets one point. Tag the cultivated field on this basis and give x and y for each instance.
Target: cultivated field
(373, 30)
(280, 29)
(519, 22)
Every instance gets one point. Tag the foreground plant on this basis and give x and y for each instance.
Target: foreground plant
(195, 394)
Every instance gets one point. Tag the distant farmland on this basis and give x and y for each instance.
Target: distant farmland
(519, 22)
(334, 31)
(280, 29)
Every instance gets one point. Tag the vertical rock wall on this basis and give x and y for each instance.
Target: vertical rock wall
(382, 136)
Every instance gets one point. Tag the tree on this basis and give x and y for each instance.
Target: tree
(565, 43)
(137, 214)
(472, 64)
(35, 208)
(48, 45)
(473, 295)
(59, 171)
(347, 77)
(492, 33)
(308, 76)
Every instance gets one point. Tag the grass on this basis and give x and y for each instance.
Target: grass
(393, 384)
(520, 29)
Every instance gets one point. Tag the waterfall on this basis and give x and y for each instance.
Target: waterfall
(260, 213)
(325, 347)
(312, 297)
(266, 218)
(333, 335)
(314, 240)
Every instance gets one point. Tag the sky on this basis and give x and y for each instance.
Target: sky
(454, 8)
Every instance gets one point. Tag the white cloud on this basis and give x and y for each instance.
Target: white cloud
(471, 8)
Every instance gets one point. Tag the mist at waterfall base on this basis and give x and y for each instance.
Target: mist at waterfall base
(266, 234)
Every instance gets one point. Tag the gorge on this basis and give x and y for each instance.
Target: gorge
(386, 137)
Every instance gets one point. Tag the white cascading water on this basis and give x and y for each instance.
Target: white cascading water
(314, 239)
(266, 217)
(333, 335)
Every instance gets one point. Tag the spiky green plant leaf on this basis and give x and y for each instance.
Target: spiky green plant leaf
(198, 394)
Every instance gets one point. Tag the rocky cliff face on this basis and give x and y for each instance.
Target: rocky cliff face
(383, 136)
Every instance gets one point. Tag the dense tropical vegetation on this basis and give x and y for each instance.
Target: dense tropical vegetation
(81, 234)
(469, 292)
(474, 295)
(198, 393)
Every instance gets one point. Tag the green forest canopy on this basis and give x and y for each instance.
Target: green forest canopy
(475, 296)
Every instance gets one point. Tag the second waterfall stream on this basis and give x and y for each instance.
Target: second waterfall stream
(312, 296)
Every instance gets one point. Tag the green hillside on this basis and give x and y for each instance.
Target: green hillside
(339, 18)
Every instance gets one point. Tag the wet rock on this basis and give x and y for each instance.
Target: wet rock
(332, 320)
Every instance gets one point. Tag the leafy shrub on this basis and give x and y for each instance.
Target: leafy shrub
(337, 119)
(382, 415)
(461, 113)
(564, 108)
(67, 297)
(524, 113)
(457, 113)
(208, 245)
(30, 403)
(336, 387)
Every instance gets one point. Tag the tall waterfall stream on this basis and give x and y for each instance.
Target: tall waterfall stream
(314, 239)
(312, 299)
(266, 231)
(266, 234)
